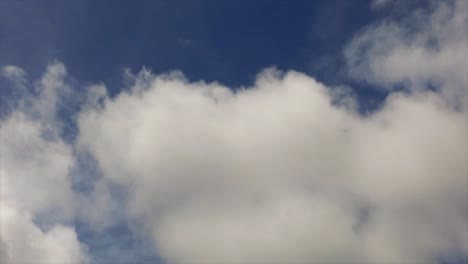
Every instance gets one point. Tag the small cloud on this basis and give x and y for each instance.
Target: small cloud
(13, 72)
(380, 3)
(184, 42)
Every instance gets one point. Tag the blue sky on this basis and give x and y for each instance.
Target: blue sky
(204, 39)
(113, 138)
(226, 41)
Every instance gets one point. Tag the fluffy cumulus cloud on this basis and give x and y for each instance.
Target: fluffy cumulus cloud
(277, 172)
(285, 171)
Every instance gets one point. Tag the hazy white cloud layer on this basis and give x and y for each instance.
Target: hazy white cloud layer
(286, 171)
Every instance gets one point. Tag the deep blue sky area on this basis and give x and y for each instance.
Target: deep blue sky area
(227, 41)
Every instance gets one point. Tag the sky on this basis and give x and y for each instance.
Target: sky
(234, 131)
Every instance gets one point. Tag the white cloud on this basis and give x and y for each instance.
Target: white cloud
(13, 72)
(24, 242)
(51, 90)
(34, 170)
(428, 48)
(277, 172)
(35, 183)
(18, 77)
